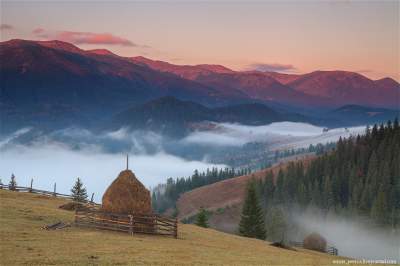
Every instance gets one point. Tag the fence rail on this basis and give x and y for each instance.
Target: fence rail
(132, 224)
(330, 249)
(43, 192)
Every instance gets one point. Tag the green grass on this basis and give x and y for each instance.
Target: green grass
(22, 241)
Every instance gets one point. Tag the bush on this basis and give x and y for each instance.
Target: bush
(202, 218)
(72, 206)
(315, 241)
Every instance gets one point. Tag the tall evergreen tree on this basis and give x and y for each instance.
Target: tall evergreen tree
(252, 219)
(78, 191)
(275, 225)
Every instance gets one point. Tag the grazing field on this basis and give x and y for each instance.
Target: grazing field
(22, 241)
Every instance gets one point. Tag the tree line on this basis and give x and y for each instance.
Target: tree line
(164, 196)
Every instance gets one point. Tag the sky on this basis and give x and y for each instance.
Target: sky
(283, 36)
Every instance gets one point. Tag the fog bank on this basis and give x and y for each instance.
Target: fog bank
(278, 135)
(352, 237)
(50, 163)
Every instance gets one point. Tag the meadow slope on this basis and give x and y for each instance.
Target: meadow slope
(23, 242)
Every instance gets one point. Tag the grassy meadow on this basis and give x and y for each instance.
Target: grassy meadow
(22, 241)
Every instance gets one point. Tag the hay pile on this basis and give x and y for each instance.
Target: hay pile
(315, 241)
(126, 195)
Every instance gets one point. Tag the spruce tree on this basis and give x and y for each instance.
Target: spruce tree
(276, 225)
(252, 219)
(13, 183)
(78, 191)
(202, 218)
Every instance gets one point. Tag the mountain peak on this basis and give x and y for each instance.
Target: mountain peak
(215, 68)
(60, 45)
(387, 83)
(101, 52)
(54, 44)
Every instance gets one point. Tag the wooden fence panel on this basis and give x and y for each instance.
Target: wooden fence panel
(131, 224)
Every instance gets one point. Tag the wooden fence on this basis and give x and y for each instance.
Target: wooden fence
(44, 192)
(132, 224)
(330, 249)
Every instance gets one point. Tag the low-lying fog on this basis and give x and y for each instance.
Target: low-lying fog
(352, 237)
(58, 163)
(63, 155)
(279, 135)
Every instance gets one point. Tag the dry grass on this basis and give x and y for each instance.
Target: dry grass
(228, 192)
(23, 242)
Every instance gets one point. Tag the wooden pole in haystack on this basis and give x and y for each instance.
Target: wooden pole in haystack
(30, 190)
(91, 200)
(55, 186)
(127, 162)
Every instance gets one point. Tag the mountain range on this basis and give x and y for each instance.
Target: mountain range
(54, 82)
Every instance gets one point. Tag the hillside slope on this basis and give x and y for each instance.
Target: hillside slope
(171, 116)
(23, 242)
(227, 193)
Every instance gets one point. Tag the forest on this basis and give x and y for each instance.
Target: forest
(361, 176)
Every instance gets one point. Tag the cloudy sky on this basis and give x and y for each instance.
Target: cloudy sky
(286, 36)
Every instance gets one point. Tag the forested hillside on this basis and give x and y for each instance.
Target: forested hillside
(165, 195)
(360, 177)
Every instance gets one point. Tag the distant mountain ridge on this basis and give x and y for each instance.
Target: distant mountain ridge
(318, 88)
(362, 115)
(55, 81)
(174, 117)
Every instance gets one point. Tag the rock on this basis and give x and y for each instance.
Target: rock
(127, 195)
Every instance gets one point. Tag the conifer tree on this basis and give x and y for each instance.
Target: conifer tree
(252, 219)
(202, 218)
(276, 225)
(13, 183)
(78, 191)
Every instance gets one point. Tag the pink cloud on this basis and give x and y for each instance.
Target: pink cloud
(76, 37)
(92, 38)
(6, 27)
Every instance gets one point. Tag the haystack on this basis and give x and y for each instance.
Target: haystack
(315, 241)
(127, 195)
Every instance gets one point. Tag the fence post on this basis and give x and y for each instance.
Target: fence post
(55, 186)
(131, 224)
(30, 190)
(176, 228)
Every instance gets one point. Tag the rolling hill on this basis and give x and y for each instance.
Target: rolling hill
(174, 117)
(362, 115)
(225, 198)
(23, 214)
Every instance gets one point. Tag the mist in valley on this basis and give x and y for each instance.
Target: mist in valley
(353, 236)
(63, 156)
(60, 156)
